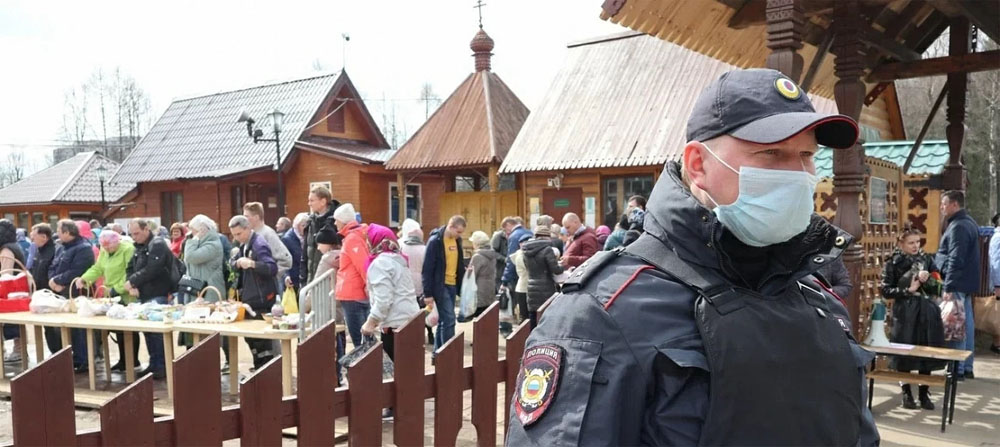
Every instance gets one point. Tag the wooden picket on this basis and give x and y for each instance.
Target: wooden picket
(127, 419)
(408, 392)
(485, 372)
(45, 414)
(194, 422)
(43, 405)
(317, 373)
(260, 405)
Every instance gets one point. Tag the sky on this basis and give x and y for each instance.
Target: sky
(184, 48)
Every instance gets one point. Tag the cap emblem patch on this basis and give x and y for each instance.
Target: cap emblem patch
(787, 88)
(537, 382)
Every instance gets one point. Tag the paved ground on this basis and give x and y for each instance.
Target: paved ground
(976, 423)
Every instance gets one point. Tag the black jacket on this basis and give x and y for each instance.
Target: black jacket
(41, 263)
(434, 264)
(149, 269)
(958, 254)
(310, 255)
(541, 263)
(916, 320)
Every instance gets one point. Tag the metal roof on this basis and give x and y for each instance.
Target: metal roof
(200, 136)
(348, 148)
(621, 100)
(930, 159)
(74, 180)
(476, 125)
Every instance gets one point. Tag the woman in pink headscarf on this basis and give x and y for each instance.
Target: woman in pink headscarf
(390, 287)
(602, 235)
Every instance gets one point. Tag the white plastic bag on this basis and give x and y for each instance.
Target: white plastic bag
(45, 302)
(467, 302)
(432, 317)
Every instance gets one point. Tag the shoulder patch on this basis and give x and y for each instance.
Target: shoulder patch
(537, 382)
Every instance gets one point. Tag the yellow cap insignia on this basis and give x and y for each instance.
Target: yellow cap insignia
(787, 88)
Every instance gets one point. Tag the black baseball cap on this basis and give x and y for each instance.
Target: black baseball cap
(764, 106)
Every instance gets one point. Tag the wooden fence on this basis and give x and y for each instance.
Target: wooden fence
(43, 406)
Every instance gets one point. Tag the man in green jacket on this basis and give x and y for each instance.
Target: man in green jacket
(111, 265)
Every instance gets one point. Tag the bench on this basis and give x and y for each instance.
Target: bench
(911, 378)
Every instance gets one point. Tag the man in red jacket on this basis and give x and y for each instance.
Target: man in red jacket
(583, 241)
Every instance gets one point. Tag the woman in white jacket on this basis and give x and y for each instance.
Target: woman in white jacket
(390, 287)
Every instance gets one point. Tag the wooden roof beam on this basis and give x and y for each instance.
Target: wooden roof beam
(984, 14)
(888, 45)
(966, 63)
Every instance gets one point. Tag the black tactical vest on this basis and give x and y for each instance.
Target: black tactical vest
(782, 369)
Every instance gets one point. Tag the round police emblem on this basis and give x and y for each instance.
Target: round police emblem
(537, 382)
(787, 88)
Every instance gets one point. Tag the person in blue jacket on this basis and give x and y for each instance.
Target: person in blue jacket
(514, 227)
(73, 258)
(958, 258)
(710, 328)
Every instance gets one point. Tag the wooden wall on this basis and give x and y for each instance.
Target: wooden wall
(534, 183)
(344, 178)
(61, 210)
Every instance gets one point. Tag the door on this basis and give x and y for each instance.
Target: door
(558, 202)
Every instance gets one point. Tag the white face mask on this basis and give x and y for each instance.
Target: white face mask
(773, 206)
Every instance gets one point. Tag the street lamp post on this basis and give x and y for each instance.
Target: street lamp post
(277, 118)
(101, 175)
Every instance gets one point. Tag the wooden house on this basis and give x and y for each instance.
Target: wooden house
(67, 190)
(463, 144)
(198, 160)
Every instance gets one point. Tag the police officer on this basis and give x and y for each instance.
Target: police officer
(711, 328)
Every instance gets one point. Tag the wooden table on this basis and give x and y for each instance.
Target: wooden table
(951, 356)
(67, 321)
(246, 329)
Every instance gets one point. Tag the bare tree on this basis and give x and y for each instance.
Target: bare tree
(100, 105)
(428, 97)
(13, 169)
(75, 122)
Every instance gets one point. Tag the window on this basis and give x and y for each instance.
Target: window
(508, 182)
(171, 208)
(22, 220)
(236, 200)
(617, 191)
(413, 204)
(465, 183)
(54, 218)
(37, 218)
(11, 218)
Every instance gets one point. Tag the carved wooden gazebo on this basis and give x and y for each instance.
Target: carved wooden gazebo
(874, 42)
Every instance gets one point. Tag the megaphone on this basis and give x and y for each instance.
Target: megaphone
(876, 330)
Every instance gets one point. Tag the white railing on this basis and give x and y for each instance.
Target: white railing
(320, 290)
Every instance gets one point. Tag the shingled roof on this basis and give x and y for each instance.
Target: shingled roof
(200, 138)
(75, 180)
(475, 126)
(931, 157)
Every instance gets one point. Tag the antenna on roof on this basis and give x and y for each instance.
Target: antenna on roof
(479, 6)
(343, 52)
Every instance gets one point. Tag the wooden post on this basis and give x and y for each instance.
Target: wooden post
(448, 391)
(785, 25)
(494, 190)
(954, 176)
(260, 406)
(849, 164)
(197, 409)
(512, 354)
(127, 419)
(364, 421)
(401, 194)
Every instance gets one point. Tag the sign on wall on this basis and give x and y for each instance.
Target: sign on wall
(315, 184)
(590, 211)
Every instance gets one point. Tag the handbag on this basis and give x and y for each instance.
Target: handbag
(190, 287)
